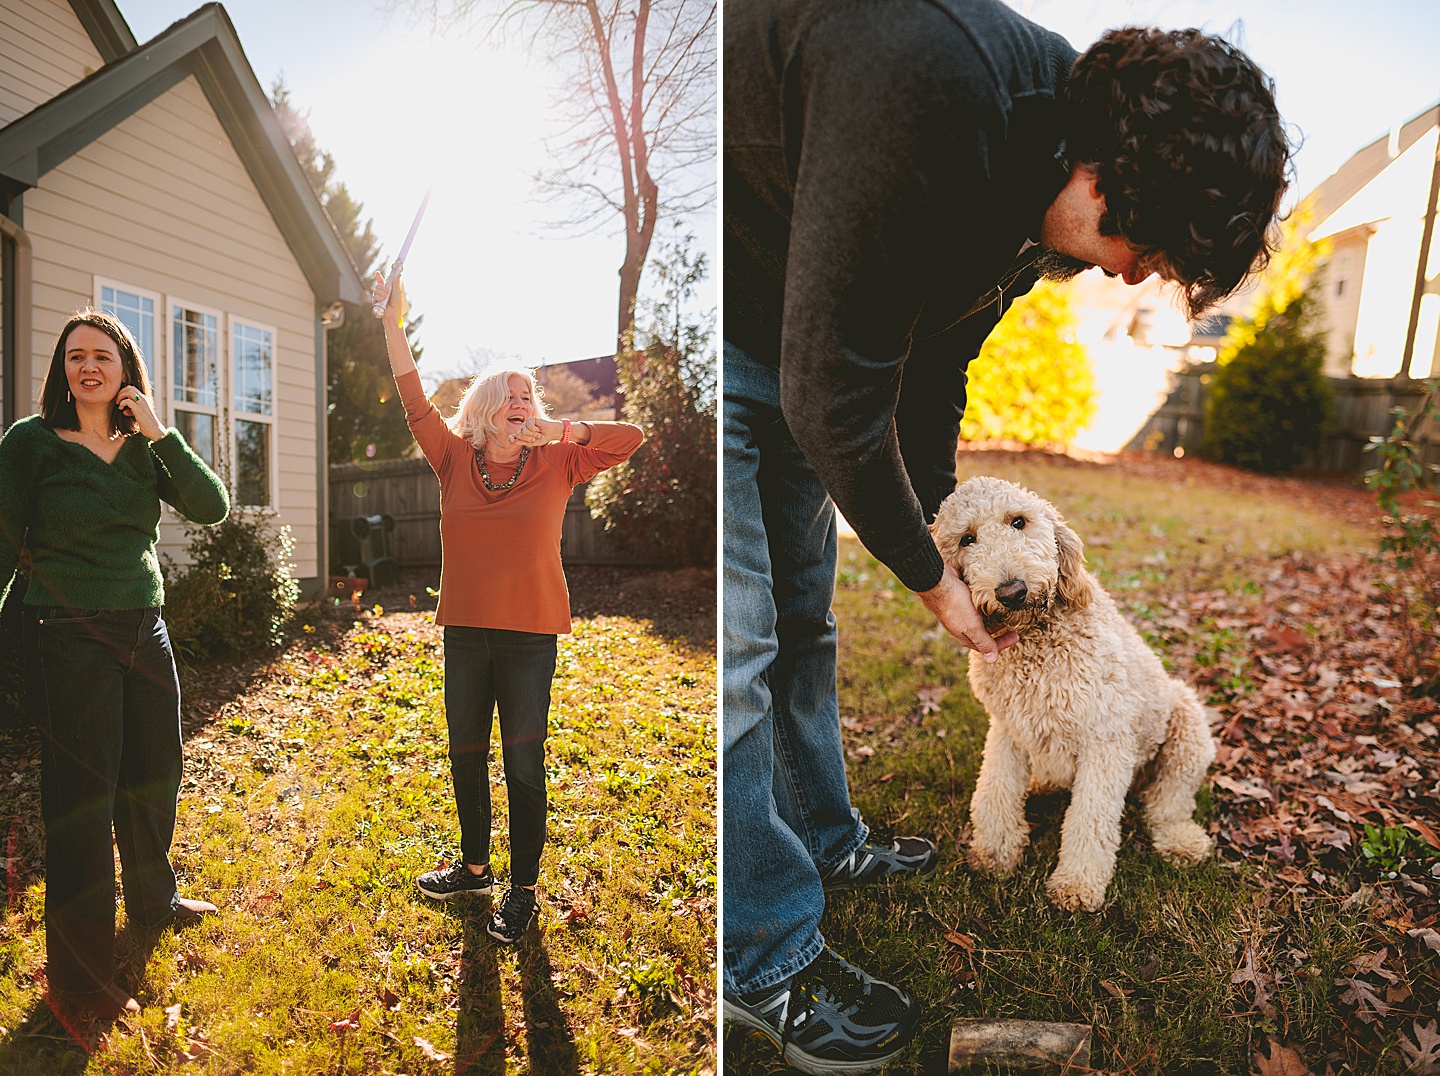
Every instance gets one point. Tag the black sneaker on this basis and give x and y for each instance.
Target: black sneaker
(829, 1017)
(455, 881)
(514, 916)
(874, 861)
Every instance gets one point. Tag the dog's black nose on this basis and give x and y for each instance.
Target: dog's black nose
(1011, 593)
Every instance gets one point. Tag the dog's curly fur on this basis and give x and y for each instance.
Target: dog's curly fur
(1079, 703)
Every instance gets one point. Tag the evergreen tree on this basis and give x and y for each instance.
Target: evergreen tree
(1269, 397)
(1032, 381)
(663, 497)
(366, 418)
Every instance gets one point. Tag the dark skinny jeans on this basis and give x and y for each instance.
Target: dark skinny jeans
(486, 667)
(106, 698)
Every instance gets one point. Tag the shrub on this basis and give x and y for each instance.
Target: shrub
(1269, 398)
(1032, 381)
(1269, 404)
(236, 593)
(1411, 542)
(662, 499)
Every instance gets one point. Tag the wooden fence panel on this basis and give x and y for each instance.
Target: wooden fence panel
(408, 490)
(1362, 411)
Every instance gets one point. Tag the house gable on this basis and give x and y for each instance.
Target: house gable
(203, 45)
(44, 50)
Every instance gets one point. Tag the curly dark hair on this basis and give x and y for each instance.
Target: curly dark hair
(1191, 156)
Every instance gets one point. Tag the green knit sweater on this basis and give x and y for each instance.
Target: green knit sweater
(91, 526)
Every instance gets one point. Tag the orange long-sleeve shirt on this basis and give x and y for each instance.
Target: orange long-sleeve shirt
(500, 551)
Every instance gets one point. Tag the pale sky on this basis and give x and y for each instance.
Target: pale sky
(400, 109)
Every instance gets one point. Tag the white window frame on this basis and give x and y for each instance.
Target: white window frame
(222, 382)
(236, 415)
(157, 355)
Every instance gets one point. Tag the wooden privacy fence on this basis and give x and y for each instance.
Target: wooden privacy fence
(408, 490)
(1362, 411)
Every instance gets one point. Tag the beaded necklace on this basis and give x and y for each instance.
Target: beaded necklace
(485, 475)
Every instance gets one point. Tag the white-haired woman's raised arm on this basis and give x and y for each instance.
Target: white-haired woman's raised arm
(393, 317)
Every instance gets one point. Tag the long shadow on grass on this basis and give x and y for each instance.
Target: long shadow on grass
(551, 1046)
(480, 1024)
(41, 1046)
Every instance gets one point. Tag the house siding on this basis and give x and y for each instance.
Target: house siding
(43, 50)
(163, 203)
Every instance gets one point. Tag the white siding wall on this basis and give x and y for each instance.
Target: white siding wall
(163, 203)
(43, 50)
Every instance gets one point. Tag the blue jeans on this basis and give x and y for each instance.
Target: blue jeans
(486, 668)
(787, 810)
(106, 698)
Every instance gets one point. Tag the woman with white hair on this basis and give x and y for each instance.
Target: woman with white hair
(506, 470)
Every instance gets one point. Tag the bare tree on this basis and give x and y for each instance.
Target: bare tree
(637, 112)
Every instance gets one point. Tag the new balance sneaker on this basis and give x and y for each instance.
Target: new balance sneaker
(455, 881)
(514, 916)
(829, 1017)
(875, 861)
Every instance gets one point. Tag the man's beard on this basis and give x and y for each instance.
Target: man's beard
(1052, 265)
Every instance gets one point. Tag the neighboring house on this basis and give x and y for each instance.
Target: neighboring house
(154, 181)
(589, 383)
(1372, 210)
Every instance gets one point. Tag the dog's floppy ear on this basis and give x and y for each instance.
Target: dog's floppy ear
(1076, 587)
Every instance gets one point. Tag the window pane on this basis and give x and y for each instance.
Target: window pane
(199, 434)
(197, 364)
(254, 358)
(252, 463)
(136, 313)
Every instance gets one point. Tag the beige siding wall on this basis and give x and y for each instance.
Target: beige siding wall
(162, 203)
(43, 50)
(1343, 280)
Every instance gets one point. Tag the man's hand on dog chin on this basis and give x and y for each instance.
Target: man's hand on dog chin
(950, 601)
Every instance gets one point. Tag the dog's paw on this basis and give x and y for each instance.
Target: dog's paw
(1073, 892)
(1184, 843)
(997, 857)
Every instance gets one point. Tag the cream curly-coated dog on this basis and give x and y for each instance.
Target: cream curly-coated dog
(1080, 702)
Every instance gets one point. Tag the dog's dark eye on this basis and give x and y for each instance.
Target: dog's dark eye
(967, 539)
(1018, 523)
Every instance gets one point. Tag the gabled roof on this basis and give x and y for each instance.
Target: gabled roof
(1367, 163)
(205, 45)
(108, 30)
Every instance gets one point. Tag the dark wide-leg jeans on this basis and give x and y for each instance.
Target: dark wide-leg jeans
(105, 695)
(486, 668)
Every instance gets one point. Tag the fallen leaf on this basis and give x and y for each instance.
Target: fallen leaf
(1424, 1053)
(1362, 997)
(1113, 990)
(954, 937)
(1282, 1061)
(172, 1018)
(1287, 641)
(1263, 983)
(1428, 936)
(1248, 787)
(430, 1051)
(930, 699)
(349, 1023)
(389, 999)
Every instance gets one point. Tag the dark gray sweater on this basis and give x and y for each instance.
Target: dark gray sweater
(885, 161)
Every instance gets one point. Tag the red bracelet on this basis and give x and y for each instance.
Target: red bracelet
(565, 434)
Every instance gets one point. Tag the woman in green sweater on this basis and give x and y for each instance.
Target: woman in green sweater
(80, 489)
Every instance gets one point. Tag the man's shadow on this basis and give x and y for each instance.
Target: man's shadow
(480, 1024)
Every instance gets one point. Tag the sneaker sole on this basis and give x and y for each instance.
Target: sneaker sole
(798, 1058)
(458, 893)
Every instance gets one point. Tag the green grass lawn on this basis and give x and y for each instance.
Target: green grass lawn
(1154, 972)
(317, 794)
